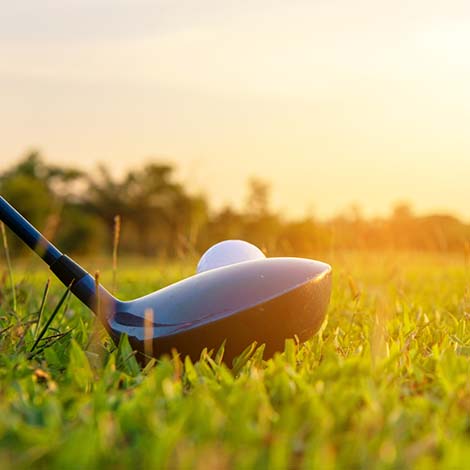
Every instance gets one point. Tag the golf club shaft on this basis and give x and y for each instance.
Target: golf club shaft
(81, 283)
(27, 233)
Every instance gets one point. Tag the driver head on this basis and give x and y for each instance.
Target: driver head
(264, 300)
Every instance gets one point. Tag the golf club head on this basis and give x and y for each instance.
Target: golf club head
(266, 300)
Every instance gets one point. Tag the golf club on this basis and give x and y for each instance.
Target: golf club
(265, 300)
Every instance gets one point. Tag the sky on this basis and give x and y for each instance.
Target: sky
(333, 102)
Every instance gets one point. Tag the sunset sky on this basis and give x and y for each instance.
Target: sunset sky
(334, 102)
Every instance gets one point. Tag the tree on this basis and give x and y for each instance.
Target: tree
(261, 225)
(47, 196)
(157, 214)
(258, 200)
(26, 186)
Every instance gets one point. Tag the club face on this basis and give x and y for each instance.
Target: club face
(263, 300)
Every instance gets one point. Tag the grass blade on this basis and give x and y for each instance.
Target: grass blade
(10, 270)
(54, 313)
(55, 338)
(41, 308)
(117, 235)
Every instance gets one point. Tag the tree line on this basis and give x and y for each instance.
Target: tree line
(158, 216)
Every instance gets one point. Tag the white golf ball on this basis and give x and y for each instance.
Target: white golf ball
(228, 252)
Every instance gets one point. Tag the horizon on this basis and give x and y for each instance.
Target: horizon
(352, 209)
(334, 104)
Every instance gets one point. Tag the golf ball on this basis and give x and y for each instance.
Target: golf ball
(228, 252)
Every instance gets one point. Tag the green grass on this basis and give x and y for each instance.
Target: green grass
(384, 384)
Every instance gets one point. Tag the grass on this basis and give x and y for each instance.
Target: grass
(384, 384)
